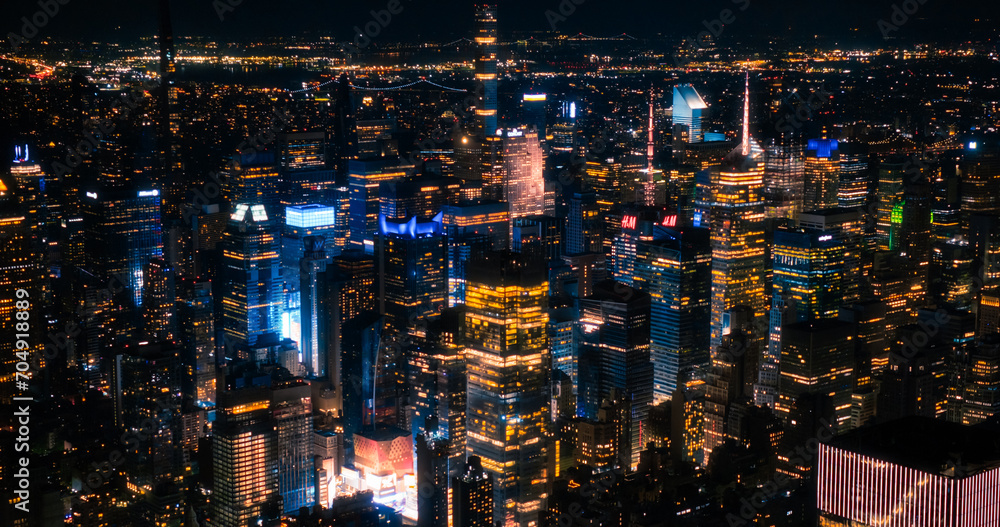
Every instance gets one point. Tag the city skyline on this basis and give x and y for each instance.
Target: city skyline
(500, 264)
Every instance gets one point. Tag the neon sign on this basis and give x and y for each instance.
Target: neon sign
(628, 222)
(669, 221)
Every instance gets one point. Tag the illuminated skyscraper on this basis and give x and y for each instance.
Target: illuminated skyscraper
(364, 178)
(533, 112)
(487, 44)
(432, 480)
(312, 345)
(981, 400)
(853, 190)
(253, 178)
(509, 369)
(688, 107)
(817, 358)
(980, 174)
(159, 314)
(523, 186)
(251, 301)
(808, 274)
(614, 355)
(244, 458)
(171, 180)
(783, 177)
(307, 229)
(412, 263)
(423, 196)
(472, 230)
(19, 270)
(737, 220)
(124, 235)
(472, 497)
(675, 269)
(197, 325)
(822, 174)
(889, 202)
(291, 410)
(302, 150)
(847, 227)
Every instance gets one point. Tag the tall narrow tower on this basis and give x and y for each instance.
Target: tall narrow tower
(649, 192)
(169, 116)
(737, 219)
(486, 68)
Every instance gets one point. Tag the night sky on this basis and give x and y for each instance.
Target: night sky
(117, 21)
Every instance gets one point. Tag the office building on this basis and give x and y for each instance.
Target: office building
(614, 355)
(472, 495)
(252, 293)
(364, 180)
(487, 39)
(412, 264)
(817, 357)
(675, 269)
(509, 367)
(523, 163)
(822, 174)
(687, 112)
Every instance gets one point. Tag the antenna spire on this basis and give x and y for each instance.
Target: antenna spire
(746, 115)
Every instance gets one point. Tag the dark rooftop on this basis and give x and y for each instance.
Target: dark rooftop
(929, 445)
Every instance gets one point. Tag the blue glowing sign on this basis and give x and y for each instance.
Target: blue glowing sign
(413, 229)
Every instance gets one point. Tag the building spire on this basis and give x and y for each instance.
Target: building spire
(746, 116)
(650, 187)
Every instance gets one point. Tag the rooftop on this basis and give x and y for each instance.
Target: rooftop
(929, 445)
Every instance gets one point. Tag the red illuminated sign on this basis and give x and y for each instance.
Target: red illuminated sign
(628, 222)
(669, 221)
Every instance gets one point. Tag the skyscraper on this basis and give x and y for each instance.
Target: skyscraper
(675, 269)
(244, 458)
(197, 323)
(364, 178)
(20, 270)
(308, 229)
(124, 235)
(808, 274)
(472, 230)
(523, 186)
(737, 220)
(291, 410)
(688, 106)
(614, 355)
(889, 205)
(822, 174)
(533, 112)
(509, 368)
(486, 61)
(251, 301)
(817, 358)
(412, 263)
(472, 497)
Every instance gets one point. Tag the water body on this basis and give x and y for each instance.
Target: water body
(262, 76)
